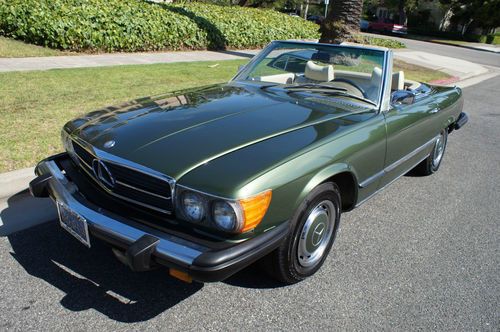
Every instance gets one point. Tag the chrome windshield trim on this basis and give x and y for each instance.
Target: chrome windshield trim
(395, 164)
(385, 89)
(382, 102)
(169, 248)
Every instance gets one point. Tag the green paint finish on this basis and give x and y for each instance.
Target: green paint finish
(235, 140)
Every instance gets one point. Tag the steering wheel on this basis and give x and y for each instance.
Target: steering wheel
(351, 87)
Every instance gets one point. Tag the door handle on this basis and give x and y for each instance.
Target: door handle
(434, 110)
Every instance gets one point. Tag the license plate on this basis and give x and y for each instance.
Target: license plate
(75, 224)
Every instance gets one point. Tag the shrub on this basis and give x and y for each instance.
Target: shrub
(382, 42)
(137, 25)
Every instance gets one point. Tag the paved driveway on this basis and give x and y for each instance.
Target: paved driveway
(424, 254)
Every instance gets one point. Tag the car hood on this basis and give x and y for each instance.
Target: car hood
(176, 133)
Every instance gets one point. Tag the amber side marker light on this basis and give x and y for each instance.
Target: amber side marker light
(180, 275)
(254, 209)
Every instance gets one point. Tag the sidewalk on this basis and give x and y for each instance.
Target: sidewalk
(116, 59)
(459, 69)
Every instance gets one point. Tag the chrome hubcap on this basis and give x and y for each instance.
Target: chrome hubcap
(316, 234)
(438, 150)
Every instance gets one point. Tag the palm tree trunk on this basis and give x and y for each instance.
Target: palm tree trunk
(342, 21)
(306, 10)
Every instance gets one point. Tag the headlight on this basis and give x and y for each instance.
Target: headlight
(229, 215)
(193, 206)
(224, 216)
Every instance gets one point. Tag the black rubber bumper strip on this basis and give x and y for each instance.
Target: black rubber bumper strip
(219, 265)
(463, 118)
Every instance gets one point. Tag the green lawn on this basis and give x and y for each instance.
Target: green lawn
(10, 48)
(35, 105)
(417, 73)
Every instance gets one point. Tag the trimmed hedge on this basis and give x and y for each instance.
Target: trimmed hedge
(137, 25)
(382, 42)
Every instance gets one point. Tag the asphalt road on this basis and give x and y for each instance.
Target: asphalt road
(422, 255)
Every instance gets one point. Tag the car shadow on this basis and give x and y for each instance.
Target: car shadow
(95, 279)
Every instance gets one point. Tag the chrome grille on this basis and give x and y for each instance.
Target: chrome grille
(152, 191)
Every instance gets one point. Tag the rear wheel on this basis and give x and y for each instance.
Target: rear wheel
(431, 164)
(314, 227)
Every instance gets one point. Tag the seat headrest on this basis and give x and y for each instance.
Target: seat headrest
(318, 73)
(398, 81)
(376, 77)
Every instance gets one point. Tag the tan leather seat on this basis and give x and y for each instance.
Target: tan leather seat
(278, 78)
(398, 81)
(375, 84)
(319, 73)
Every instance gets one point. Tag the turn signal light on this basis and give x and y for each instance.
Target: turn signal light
(254, 209)
(181, 275)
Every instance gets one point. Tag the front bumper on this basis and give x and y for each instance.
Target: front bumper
(463, 118)
(399, 32)
(142, 246)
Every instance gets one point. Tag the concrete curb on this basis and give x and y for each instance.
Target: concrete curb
(18, 209)
(15, 181)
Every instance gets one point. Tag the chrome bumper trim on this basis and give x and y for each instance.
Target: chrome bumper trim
(169, 248)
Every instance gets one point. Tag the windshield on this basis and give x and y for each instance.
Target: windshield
(333, 70)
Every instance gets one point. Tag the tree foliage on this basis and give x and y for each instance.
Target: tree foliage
(483, 14)
(137, 25)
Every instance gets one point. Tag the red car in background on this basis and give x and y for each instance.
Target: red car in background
(387, 26)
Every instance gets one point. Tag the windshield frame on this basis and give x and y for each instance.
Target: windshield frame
(383, 95)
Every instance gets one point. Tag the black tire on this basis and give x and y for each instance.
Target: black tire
(431, 164)
(283, 264)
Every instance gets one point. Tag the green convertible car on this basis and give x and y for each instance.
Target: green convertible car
(207, 181)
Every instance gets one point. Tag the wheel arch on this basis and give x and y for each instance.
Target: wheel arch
(343, 176)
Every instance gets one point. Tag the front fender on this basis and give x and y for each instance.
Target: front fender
(326, 174)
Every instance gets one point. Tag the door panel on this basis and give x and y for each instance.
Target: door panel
(366, 153)
(410, 133)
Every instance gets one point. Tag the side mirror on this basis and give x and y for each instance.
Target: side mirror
(402, 97)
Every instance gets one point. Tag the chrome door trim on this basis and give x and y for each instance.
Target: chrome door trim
(397, 163)
(387, 185)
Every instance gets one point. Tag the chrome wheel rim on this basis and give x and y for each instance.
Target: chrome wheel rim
(316, 234)
(438, 150)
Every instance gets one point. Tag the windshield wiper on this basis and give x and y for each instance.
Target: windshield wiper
(336, 92)
(268, 86)
(313, 86)
(305, 86)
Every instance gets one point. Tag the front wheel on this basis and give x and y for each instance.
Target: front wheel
(431, 164)
(314, 227)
